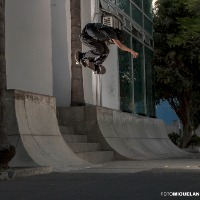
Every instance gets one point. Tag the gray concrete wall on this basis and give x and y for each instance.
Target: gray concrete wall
(38, 52)
(61, 51)
(110, 96)
(100, 90)
(29, 46)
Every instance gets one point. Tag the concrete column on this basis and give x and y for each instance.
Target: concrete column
(77, 94)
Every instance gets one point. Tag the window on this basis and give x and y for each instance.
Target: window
(138, 2)
(126, 79)
(124, 5)
(148, 26)
(137, 33)
(136, 15)
(147, 5)
(149, 82)
(138, 73)
(127, 24)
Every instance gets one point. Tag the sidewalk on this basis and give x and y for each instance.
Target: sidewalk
(112, 167)
(23, 172)
(144, 165)
(119, 180)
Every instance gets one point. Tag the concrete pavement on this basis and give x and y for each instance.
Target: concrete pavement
(13, 173)
(192, 163)
(121, 180)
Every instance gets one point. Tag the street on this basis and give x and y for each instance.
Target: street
(143, 185)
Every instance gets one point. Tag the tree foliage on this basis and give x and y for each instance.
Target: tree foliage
(177, 59)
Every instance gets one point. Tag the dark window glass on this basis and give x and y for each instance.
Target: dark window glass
(138, 73)
(149, 82)
(148, 26)
(136, 15)
(124, 5)
(138, 2)
(126, 79)
(147, 5)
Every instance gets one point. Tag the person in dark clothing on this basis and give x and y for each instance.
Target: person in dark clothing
(96, 36)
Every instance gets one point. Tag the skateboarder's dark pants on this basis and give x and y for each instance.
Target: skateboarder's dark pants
(99, 50)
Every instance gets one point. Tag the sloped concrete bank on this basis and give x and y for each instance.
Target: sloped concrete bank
(33, 130)
(130, 136)
(136, 137)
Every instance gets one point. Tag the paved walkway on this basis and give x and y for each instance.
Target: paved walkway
(138, 166)
(120, 180)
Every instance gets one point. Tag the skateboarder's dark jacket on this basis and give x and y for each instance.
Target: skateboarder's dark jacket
(99, 32)
(95, 36)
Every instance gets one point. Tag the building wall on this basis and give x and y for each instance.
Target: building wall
(110, 81)
(38, 52)
(28, 46)
(128, 83)
(61, 51)
(100, 90)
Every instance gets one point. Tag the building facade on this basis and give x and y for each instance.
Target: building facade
(136, 75)
(39, 60)
(128, 84)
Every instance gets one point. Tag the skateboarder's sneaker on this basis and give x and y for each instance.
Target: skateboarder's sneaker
(100, 69)
(78, 57)
(97, 69)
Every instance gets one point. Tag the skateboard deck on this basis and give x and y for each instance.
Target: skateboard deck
(89, 64)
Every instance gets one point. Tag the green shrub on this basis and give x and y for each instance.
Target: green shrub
(175, 138)
(195, 141)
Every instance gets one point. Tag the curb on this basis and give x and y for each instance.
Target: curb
(23, 172)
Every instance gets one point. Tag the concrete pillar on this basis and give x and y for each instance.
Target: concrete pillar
(77, 94)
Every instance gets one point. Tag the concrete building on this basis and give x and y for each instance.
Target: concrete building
(38, 48)
(41, 38)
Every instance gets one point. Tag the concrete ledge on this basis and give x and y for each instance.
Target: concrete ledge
(23, 172)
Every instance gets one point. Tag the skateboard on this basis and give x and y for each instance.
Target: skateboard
(88, 63)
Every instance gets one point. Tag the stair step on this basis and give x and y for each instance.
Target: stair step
(66, 130)
(84, 147)
(75, 138)
(97, 156)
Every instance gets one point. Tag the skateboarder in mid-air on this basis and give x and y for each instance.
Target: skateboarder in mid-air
(96, 36)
